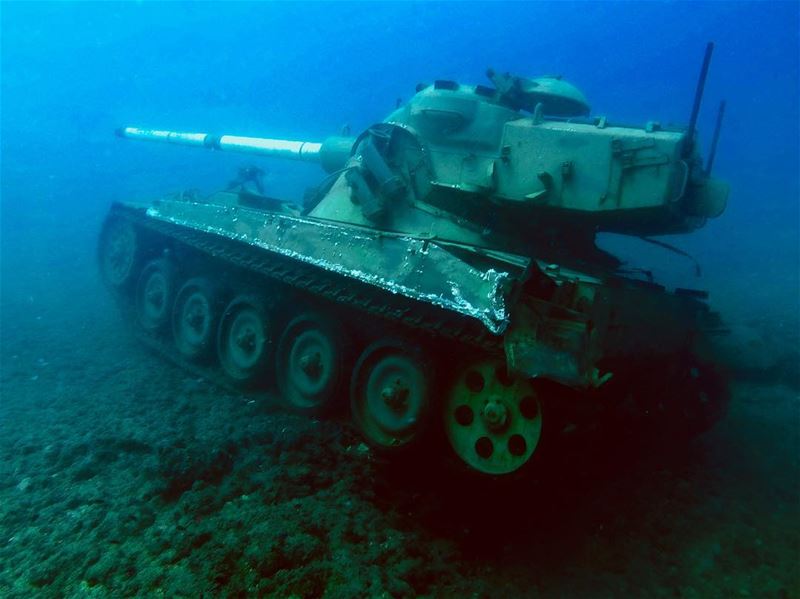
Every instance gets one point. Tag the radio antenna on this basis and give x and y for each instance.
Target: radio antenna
(713, 150)
(698, 98)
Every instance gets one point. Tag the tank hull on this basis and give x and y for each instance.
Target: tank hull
(428, 338)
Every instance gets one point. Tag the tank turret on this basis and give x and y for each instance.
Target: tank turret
(513, 167)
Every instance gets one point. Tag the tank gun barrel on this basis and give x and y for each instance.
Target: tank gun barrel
(331, 154)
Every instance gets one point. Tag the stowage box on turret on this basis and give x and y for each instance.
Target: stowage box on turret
(444, 276)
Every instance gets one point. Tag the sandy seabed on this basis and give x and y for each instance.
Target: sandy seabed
(121, 475)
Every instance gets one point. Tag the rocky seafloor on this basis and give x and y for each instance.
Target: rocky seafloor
(121, 475)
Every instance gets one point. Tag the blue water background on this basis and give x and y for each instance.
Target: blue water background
(73, 72)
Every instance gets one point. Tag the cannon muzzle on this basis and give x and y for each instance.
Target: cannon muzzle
(331, 153)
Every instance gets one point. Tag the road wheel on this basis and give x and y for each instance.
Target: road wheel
(390, 394)
(311, 363)
(119, 253)
(154, 292)
(244, 341)
(194, 319)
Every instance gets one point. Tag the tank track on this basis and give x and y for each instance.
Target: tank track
(417, 316)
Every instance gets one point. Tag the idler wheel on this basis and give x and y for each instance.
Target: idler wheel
(493, 421)
(244, 340)
(119, 253)
(390, 394)
(154, 292)
(194, 319)
(311, 363)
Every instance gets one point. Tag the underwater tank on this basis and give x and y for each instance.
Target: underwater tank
(443, 275)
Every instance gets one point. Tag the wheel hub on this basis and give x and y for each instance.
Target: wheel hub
(246, 340)
(195, 318)
(395, 395)
(117, 253)
(495, 414)
(155, 297)
(311, 364)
